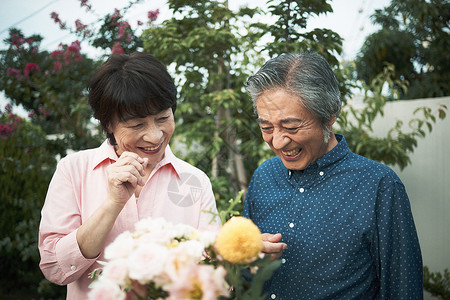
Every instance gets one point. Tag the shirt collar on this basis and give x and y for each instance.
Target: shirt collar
(336, 154)
(170, 159)
(106, 152)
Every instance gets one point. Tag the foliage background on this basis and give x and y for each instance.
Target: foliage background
(210, 51)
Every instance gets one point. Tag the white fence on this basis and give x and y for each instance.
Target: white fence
(427, 179)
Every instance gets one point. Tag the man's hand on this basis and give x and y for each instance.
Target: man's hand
(272, 245)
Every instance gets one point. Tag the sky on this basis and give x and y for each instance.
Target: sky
(350, 19)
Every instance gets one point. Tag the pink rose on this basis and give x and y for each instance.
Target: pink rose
(116, 271)
(104, 289)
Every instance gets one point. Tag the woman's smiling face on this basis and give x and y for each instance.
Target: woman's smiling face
(291, 131)
(148, 137)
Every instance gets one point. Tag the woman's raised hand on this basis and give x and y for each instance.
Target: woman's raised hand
(125, 175)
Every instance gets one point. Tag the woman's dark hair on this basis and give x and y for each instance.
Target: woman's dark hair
(130, 86)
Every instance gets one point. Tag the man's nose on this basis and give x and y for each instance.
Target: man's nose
(279, 139)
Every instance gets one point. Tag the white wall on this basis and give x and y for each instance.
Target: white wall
(427, 179)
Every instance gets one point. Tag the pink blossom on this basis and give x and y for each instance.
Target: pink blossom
(117, 48)
(153, 15)
(122, 246)
(18, 40)
(116, 271)
(66, 56)
(154, 236)
(57, 20)
(122, 30)
(5, 131)
(56, 52)
(30, 67)
(13, 72)
(79, 26)
(147, 262)
(124, 33)
(57, 66)
(85, 4)
(116, 16)
(104, 289)
(75, 47)
(176, 263)
(55, 17)
(43, 111)
(199, 280)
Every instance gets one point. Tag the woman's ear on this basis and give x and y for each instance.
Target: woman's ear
(109, 129)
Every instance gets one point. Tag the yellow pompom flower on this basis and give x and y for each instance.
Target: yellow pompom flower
(239, 240)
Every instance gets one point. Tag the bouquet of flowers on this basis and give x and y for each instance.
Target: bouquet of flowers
(160, 260)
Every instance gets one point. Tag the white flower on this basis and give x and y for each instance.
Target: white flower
(199, 281)
(161, 254)
(155, 236)
(151, 224)
(122, 246)
(193, 249)
(105, 289)
(186, 254)
(147, 261)
(207, 238)
(116, 271)
(183, 231)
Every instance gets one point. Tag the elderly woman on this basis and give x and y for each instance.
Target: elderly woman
(97, 194)
(341, 223)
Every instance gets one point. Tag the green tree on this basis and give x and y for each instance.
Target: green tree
(288, 33)
(51, 87)
(438, 284)
(395, 148)
(415, 38)
(213, 51)
(26, 166)
(209, 56)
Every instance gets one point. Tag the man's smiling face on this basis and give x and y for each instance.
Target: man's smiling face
(291, 131)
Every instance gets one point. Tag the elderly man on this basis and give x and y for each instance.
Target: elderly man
(341, 223)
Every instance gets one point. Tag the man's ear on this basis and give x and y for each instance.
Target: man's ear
(331, 122)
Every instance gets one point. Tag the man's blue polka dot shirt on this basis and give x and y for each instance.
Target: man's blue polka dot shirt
(348, 225)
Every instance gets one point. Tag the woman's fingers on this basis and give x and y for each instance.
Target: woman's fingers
(130, 158)
(125, 174)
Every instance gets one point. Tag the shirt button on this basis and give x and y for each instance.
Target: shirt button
(283, 261)
(301, 190)
(291, 225)
(273, 296)
(321, 173)
(73, 268)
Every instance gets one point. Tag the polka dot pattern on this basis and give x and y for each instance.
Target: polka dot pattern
(348, 225)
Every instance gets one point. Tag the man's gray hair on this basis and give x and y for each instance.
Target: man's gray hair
(307, 76)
